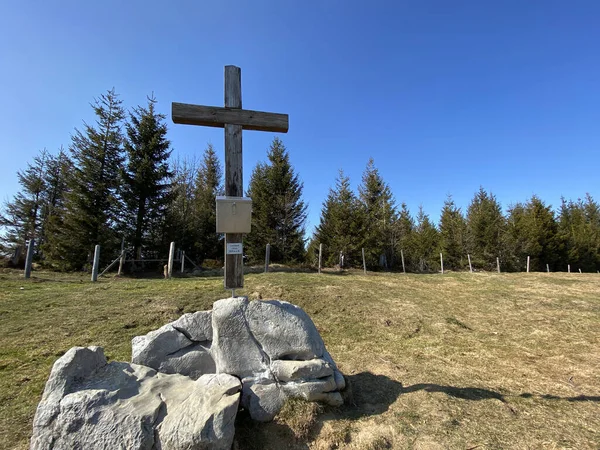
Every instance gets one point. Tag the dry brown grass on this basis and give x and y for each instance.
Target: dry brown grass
(461, 360)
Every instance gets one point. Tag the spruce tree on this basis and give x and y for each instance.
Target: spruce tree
(485, 228)
(405, 227)
(31, 212)
(579, 228)
(533, 231)
(59, 169)
(380, 214)
(278, 211)
(23, 216)
(340, 227)
(209, 184)
(425, 243)
(145, 179)
(512, 241)
(452, 236)
(92, 204)
(180, 224)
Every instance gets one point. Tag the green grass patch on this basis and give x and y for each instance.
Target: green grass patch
(460, 360)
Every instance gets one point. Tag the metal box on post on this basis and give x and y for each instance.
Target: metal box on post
(234, 214)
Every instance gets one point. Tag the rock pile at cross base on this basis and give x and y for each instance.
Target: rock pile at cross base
(187, 380)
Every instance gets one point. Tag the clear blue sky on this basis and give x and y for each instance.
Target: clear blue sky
(445, 96)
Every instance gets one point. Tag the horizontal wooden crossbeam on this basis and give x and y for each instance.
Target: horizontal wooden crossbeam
(214, 116)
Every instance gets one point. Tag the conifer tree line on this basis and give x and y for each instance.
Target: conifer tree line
(371, 220)
(118, 181)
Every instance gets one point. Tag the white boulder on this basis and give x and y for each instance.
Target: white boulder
(153, 348)
(272, 346)
(186, 380)
(91, 404)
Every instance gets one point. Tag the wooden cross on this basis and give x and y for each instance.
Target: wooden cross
(234, 119)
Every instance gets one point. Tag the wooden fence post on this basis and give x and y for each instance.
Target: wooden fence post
(579, 270)
(402, 255)
(498, 264)
(171, 257)
(470, 266)
(569, 268)
(96, 263)
(442, 262)
(122, 260)
(267, 257)
(320, 253)
(182, 260)
(29, 258)
(548, 268)
(527, 264)
(364, 262)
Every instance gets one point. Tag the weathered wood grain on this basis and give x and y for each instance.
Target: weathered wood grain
(234, 183)
(214, 116)
(234, 119)
(233, 87)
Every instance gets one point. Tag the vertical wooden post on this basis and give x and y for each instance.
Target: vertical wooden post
(96, 263)
(267, 257)
(320, 254)
(29, 258)
(442, 262)
(498, 264)
(402, 256)
(569, 268)
(122, 260)
(527, 264)
(579, 270)
(548, 268)
(364, 262)
(171, 258)
(234, 186)
(470, 266)
(182, 260)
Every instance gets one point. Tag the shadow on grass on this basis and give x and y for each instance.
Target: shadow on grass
(470, 393)
(578, 398)
(373, 394)
(367, 394)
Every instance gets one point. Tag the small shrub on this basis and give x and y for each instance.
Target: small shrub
(300, 416)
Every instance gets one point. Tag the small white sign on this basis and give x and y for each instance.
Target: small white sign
(234, 249)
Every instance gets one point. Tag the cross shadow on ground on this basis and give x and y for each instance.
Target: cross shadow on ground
(373, 394)
(368, 394)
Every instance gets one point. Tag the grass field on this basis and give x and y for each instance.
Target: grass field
(465, 361)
